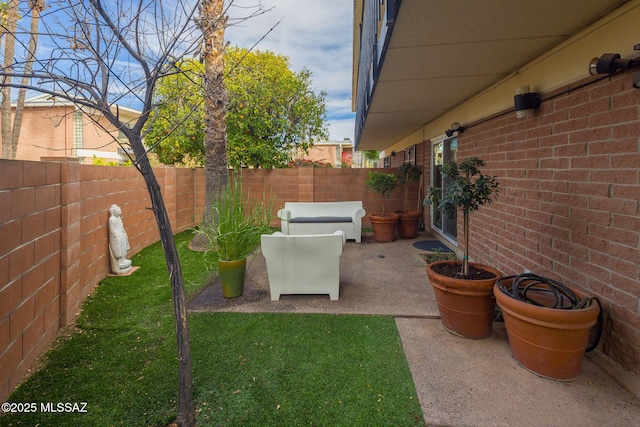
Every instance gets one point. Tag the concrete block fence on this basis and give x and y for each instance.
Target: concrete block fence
(321, 185)
(54, 234)
(54, 244)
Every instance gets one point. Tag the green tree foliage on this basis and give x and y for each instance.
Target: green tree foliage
(176, 128)
(272, 112)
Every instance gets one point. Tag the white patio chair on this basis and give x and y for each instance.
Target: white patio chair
(303, 264)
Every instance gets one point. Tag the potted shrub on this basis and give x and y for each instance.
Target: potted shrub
(234, 234)
(384, 224)
(409, 220)
(464, 290)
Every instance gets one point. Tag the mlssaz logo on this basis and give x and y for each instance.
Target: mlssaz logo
(65, 407)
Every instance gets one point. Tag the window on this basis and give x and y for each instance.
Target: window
(78, 129)
(443, 151)
(410, 155)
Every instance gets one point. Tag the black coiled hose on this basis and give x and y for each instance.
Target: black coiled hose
(562, 298)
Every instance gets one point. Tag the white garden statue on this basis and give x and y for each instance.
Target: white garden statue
(118, 242)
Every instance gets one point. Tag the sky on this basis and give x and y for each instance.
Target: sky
(314, 34)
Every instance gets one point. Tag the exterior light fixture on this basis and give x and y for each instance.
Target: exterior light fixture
(525, 102)
(609, 63)
(455, 127)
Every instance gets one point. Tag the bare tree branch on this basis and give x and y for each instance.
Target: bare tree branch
(103, 54)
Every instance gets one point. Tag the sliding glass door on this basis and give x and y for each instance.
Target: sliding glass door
(443, 151)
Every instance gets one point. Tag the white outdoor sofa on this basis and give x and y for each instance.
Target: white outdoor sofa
(322, 218)
(303, 264)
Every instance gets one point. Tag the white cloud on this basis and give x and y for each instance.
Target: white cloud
(316, 34)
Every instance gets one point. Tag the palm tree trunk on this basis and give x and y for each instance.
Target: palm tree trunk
(9, 54)
(37, 6)
(215, 98)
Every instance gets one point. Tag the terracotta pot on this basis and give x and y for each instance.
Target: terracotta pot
(384, 227)
(467, 307)
(232, 277)
(408, 225)
(547, 341)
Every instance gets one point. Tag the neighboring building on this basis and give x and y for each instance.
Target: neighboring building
(332, 152)
(55, 129)
(568, 166)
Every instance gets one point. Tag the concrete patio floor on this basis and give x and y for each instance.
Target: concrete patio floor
(460, 382)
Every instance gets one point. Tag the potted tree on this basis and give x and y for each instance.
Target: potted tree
(409, 220)
(234, 234)
(464, 290)
(384, 224)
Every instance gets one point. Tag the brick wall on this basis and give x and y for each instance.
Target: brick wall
(55, 141)
(569, 202)
(48, 132)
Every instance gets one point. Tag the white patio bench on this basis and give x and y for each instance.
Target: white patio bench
(322, 218)
(303, 264)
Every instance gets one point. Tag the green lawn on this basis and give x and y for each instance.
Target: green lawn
(249, 369)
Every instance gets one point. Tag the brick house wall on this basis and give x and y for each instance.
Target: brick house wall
(569, 203)
(419, 154)
(50, 132)
(46, 132)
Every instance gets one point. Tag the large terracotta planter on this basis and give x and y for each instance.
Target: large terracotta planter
(550, 342)
(384, 227)
(232, 277)
(408, 225)
(467, 307)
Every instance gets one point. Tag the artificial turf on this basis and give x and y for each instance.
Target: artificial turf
(248, 369)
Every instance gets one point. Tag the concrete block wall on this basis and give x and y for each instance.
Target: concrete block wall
(30, 262)
(54, 243)
(54, 234)
(321, 185)
(569, 203)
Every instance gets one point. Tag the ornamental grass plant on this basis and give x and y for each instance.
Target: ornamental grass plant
(237, 225)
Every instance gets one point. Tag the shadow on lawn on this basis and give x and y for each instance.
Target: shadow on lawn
(211, 298)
